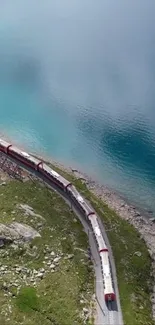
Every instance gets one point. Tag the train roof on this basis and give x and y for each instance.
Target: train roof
(108, 287)
(107, 278)
(56, 175)
(97, 231)
(25, 154)
(81, 200)
(51, 171)
(105, 259)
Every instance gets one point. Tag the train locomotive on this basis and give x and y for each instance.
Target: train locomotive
(32, 163)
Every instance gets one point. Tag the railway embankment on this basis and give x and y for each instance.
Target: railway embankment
(132, 238)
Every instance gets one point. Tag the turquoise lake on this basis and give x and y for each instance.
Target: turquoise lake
(77, 83)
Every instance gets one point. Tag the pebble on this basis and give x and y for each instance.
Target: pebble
(56, 260)
(70, 256)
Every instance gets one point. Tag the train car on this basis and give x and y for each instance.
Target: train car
(109, 293)
(104, 257)
(24, 158)
(79, 201)
(54, 177)
(4, 146)
(97, 233)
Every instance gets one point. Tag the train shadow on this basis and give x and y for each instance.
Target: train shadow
(112, 305)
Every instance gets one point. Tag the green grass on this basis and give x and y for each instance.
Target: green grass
(133, 272)
(55, 299)
(27, 300)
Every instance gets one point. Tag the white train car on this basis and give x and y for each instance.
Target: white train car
(97, 232)
(24, 158)
(107, 278)
(104, 257)
(54, 177)
(79, 201)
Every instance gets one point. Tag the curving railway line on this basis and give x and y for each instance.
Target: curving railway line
(108, 309)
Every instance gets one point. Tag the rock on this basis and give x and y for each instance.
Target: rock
(85, 310)
(69, 256)
(1, 243)
(56, 260)
(139, 254)
(82, 301)
(39, 225)
(137, 214)
(122, 205)
(18, 269)
(5, 240)
(35, 271)
(25, 231)
(40, 275)
(15, 231)
(52, 254)
(14, 246)
(3, 184)
(52, 266)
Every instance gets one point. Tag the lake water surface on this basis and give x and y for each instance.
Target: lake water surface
(77, 82)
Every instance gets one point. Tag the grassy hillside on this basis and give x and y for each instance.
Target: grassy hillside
(48, 280)
(133, 271)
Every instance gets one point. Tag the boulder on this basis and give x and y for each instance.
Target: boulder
(25, 231)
